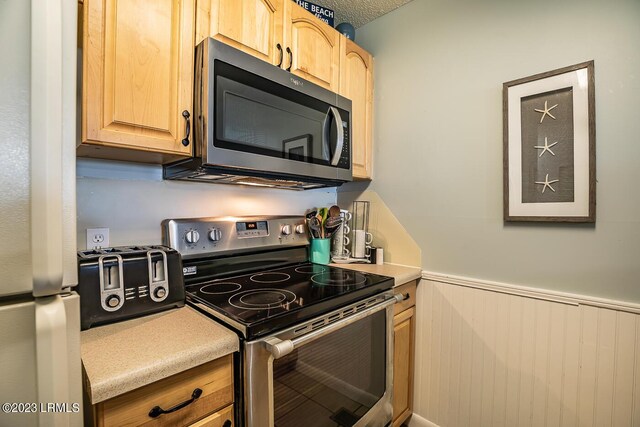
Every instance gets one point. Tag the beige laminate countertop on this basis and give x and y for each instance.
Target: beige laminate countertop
(124, 356)
(401, 273)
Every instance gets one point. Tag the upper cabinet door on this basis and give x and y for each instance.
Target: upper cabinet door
(315, 48)
(253, 26)
(356, 83)
(138, 75)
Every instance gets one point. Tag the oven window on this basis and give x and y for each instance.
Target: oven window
(334, 380)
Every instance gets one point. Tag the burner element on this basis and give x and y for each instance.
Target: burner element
(220, 288)
(259, 298)
(339, 278)
(311, 269)
(270, 277)
(262, 299)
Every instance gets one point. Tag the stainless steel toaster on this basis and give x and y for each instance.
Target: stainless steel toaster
(124, 282)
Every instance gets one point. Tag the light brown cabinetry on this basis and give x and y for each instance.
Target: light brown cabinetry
(222, 418)
(213, 407)
(253, 26)
(404, 344)
(137, 79)
(356, 83)
(315, 48)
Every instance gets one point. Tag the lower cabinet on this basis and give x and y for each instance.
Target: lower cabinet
(222, 418)
(201, 396)
(403, 363)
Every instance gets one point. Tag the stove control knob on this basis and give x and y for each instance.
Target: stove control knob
(113, 301)
(160, 293)
(286, 229)
(192, 236)
(300, 229)
(215, 235)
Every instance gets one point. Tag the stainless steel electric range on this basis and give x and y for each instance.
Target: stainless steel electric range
(316, 341)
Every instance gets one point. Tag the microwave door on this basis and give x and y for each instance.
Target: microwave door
(333, 136)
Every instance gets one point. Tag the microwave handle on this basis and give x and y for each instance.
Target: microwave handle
(333, 111)
(280, 348)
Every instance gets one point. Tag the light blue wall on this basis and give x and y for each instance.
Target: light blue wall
(132, 200)
(439, 69)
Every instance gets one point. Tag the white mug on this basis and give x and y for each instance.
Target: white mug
(361, 240)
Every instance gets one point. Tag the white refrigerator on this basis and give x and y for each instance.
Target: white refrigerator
(40, 369)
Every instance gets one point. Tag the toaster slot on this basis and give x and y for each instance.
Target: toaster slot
(158, 275)
(111, 282)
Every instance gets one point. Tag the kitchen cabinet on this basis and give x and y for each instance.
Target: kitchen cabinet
(403, 361)
(222, 418)
(356, 83)
(137, 74)
(253, 26)
(213, 407)
(314, 48)
(137, 79)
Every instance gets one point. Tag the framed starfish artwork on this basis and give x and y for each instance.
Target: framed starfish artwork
(549, 146)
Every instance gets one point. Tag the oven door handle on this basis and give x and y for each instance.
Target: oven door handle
(280, 348)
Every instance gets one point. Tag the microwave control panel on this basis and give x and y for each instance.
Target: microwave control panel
(345, 157)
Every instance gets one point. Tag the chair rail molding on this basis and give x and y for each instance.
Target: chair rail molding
(532, 292)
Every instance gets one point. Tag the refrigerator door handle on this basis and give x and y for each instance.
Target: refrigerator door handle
(52, 359)
(46, 146)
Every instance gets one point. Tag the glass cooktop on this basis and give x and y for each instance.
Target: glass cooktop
(265, 301)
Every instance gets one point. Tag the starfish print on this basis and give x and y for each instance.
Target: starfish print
(545, 147)
(546, 112)
(546, 183)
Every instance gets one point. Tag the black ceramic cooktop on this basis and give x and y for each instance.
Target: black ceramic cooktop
(269, 300)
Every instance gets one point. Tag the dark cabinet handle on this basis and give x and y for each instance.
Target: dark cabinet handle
(290, 59)
(227, 423)
(281, 58)
(156, 411)
(186, 116)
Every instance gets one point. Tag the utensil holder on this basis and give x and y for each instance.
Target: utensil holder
(319, 251)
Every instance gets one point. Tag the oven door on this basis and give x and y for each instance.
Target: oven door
(335, 370)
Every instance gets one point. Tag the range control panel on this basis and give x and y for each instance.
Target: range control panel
(201, 236)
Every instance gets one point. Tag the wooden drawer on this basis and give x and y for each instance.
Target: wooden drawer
(409, 290)
(215, 379)
(222, 418)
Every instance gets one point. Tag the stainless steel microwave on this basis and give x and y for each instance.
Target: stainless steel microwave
(257, 124)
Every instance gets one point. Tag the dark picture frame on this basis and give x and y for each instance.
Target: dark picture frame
(549, 158)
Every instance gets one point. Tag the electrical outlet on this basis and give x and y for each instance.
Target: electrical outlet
(97, 238)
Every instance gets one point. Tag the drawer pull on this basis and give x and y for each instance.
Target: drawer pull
(156, 411)
(227, 423)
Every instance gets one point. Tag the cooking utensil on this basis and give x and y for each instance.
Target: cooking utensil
(334, 211)
(315, 227)
(332, 225)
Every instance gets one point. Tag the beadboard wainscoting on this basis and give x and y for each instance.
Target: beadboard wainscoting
(493, 354)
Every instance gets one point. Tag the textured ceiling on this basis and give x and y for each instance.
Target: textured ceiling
(359, 12)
